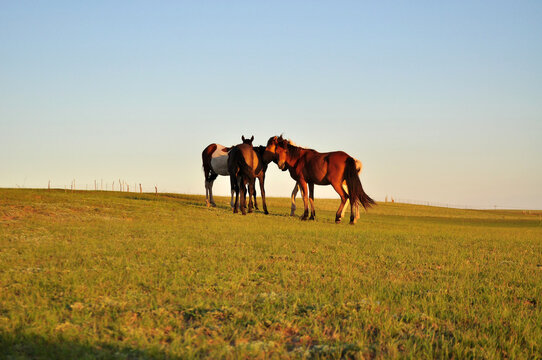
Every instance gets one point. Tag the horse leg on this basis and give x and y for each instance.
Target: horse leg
(231, 200)
(303, 186)
(207, 194)
(294, 193)
(262, 191)
(345, 188)
(250, 191)
(344, 196)
(254, 195)
(234, 188)
(243, 190)
(353, 212)
(211, 193)
(311, 200)
(354, 206)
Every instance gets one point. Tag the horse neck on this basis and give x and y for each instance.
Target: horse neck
(259, 150)
(294, 154)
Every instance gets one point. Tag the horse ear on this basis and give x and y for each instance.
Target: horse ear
(252, 138)
(243, 137)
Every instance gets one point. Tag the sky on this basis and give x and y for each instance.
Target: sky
(441, 101)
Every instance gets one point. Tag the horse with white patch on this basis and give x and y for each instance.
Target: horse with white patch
(215, 162)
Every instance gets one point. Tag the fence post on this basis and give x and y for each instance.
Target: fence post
(155, 190)
(49, 185)
(140, 189)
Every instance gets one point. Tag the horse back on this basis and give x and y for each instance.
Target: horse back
(323, 168)
(250, 157)
(208, 152)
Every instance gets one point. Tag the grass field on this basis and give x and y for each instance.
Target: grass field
(129, 276)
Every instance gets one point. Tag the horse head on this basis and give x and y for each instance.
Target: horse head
(247, 141)
(270, 154)
(282, 152)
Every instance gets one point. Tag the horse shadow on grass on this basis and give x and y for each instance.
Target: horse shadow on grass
(198, 201)
(24, 346)
(285, 214)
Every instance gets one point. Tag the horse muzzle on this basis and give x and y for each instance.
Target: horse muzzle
(281, 165)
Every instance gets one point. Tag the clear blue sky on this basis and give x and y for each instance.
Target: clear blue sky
(441, 101)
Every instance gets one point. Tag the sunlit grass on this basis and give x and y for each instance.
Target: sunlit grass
(124, 275)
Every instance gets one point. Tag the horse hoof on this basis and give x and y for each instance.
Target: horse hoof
(213, 204)
(311, 218)
(266, 212)
(250, 211)
(303, 218)
(338, 221)
(352, 223)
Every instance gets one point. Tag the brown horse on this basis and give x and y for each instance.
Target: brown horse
(245, 164)
(298, 188)
(309, 167)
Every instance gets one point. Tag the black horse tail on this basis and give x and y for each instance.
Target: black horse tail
(233, 167)
(353, 182)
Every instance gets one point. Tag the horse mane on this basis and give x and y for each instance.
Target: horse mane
(260, 150)
(294, 151)
(293, 148)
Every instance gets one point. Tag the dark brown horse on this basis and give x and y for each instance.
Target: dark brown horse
(215, 162)
(245, 164)
(309, 167)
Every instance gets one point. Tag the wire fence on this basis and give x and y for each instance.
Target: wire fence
(136, 187)
(101, 185)
(449, 205)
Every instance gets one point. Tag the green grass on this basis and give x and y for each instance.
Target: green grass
(130, 276)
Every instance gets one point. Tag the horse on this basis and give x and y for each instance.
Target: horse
(297, 188)
(309, 167)
(245, 164)
(215, 162)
